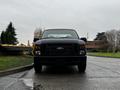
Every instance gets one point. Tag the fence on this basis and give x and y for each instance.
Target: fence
(14, 50)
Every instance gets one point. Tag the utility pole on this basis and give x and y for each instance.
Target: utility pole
(87, 35)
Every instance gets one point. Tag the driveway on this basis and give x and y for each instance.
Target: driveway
(101, 74)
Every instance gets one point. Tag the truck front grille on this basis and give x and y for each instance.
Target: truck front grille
(61, 50)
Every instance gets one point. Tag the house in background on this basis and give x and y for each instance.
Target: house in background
(96, 45)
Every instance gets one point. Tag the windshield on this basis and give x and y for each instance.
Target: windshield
(60, 33)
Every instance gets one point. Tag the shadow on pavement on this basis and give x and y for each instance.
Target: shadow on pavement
(60, 70)
(56, 77)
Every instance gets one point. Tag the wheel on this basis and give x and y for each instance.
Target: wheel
(82, 66)
(38, 68)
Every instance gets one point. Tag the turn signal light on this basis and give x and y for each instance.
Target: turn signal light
(82, 46)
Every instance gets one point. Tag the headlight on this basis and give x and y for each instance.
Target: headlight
(82, 46)
(36, 50)
(37, 53)
(82, 49)
(82, 52)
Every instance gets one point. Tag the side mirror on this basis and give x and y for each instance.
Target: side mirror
(35, 39)
(84, 39)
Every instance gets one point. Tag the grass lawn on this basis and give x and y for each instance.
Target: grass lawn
(8, 62)
(113, 55)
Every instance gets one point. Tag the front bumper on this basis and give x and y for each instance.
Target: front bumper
(59, 60)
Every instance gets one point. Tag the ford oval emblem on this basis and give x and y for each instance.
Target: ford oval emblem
(59, 48)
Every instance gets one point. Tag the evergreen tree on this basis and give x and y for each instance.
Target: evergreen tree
(9, 36)
(101, 36)
(3, 37)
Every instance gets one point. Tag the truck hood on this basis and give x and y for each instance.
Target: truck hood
(60, 41)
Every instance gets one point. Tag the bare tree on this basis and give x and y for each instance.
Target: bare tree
(37, 34)
(118, 39)
(113, 38)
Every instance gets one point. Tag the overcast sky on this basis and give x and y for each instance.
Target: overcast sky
(86, 16)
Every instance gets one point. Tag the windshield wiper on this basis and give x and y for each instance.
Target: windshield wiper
(47, 37)
(55, 37)
(65, 37)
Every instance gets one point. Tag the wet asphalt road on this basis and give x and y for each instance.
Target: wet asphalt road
(101, 74)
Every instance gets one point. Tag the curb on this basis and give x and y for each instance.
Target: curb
(15, 70)
(104, 56)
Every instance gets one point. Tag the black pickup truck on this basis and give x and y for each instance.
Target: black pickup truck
(60, 47)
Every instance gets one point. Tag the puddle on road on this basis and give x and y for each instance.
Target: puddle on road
(28, 83)
(38, 87)
(33, 86)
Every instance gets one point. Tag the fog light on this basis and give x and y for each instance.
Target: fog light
(82, 52)
(37, 53)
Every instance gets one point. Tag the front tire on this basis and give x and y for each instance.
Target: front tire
(38, 68)
(82, 66)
